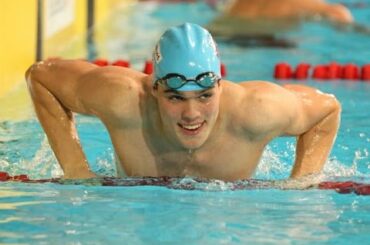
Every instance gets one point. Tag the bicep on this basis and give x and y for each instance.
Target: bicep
(311, 107)
(82, 87)
(61, 78)
(107, 93)
(292, 110)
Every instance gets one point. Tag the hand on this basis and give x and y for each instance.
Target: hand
(302, 183)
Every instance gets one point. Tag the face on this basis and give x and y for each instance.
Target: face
(188, 117)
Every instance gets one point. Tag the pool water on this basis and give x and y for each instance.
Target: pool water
(214, 213)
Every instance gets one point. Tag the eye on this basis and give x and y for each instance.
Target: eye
(205, 96)
(175, 98)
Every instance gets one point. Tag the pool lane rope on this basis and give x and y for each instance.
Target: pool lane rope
(282, 70)
(330, 71)
(342, 187)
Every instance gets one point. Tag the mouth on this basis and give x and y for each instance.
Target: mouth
(191, 129)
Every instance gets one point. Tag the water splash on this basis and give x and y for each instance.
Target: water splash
(274, 164)
(194, 183)
(277, 164)
(42, 165)
(105, 165)
(335, 168)
(271, 166)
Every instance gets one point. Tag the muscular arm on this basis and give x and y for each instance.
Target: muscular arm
(316, 124)
(294, 110)
(59, 88)
(52, 86)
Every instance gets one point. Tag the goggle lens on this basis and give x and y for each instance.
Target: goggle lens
(175, 82)
(207, 80)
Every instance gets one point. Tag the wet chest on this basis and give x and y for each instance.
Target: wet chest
(230, 160)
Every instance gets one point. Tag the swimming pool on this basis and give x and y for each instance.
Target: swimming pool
(212, 214)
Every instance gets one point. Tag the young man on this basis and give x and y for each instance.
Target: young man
(294, 10)
(183, 120)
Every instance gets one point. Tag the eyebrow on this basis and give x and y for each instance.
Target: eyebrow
(170, 90)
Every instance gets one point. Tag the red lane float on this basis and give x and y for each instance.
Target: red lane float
(301, 71)
(4, 176)
(350, 71)
(334, 71)
(363, 189)
(283, 71)
(319, 72)
(365, 72)
(340, 187)
(329, 71)
(148, 67)
(346, 187)
(122, 63)
(101, 62)
(223, 70)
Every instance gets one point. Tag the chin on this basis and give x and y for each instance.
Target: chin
(192, 146)
(193, 143)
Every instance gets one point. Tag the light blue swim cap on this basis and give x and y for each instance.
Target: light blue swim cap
(188, 50)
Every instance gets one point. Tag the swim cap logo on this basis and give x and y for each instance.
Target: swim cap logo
(212, 43)
(157, 57)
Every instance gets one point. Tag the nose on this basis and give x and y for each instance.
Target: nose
(190, 112)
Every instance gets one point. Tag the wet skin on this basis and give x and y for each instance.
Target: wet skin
(217, 133)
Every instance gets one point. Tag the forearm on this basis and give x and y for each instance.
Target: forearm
(57, 122)
(314, 146)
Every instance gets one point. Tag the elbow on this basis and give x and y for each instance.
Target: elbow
(29, 75)
(34, 77)
(36, 71)
(342, 14)
(29, 72)
(32, 71)
(338, 13)
(330, 123)
(332, 104)
(338, 111)
(337, 107)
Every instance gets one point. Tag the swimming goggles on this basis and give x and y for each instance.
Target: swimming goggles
(176, 81)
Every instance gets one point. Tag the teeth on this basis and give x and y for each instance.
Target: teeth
(192, 127)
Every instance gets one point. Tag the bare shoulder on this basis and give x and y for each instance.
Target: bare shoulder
(88, 89)
(290, 109)
(112, 92)
(313, 106)
(251, 102)
(264, 95)
(263, 107)
(310, 96)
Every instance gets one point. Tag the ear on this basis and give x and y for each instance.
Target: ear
(154, 91)
(219, 86)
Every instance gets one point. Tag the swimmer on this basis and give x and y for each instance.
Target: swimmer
(184, 119)
(291, 9)
(257, 22)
